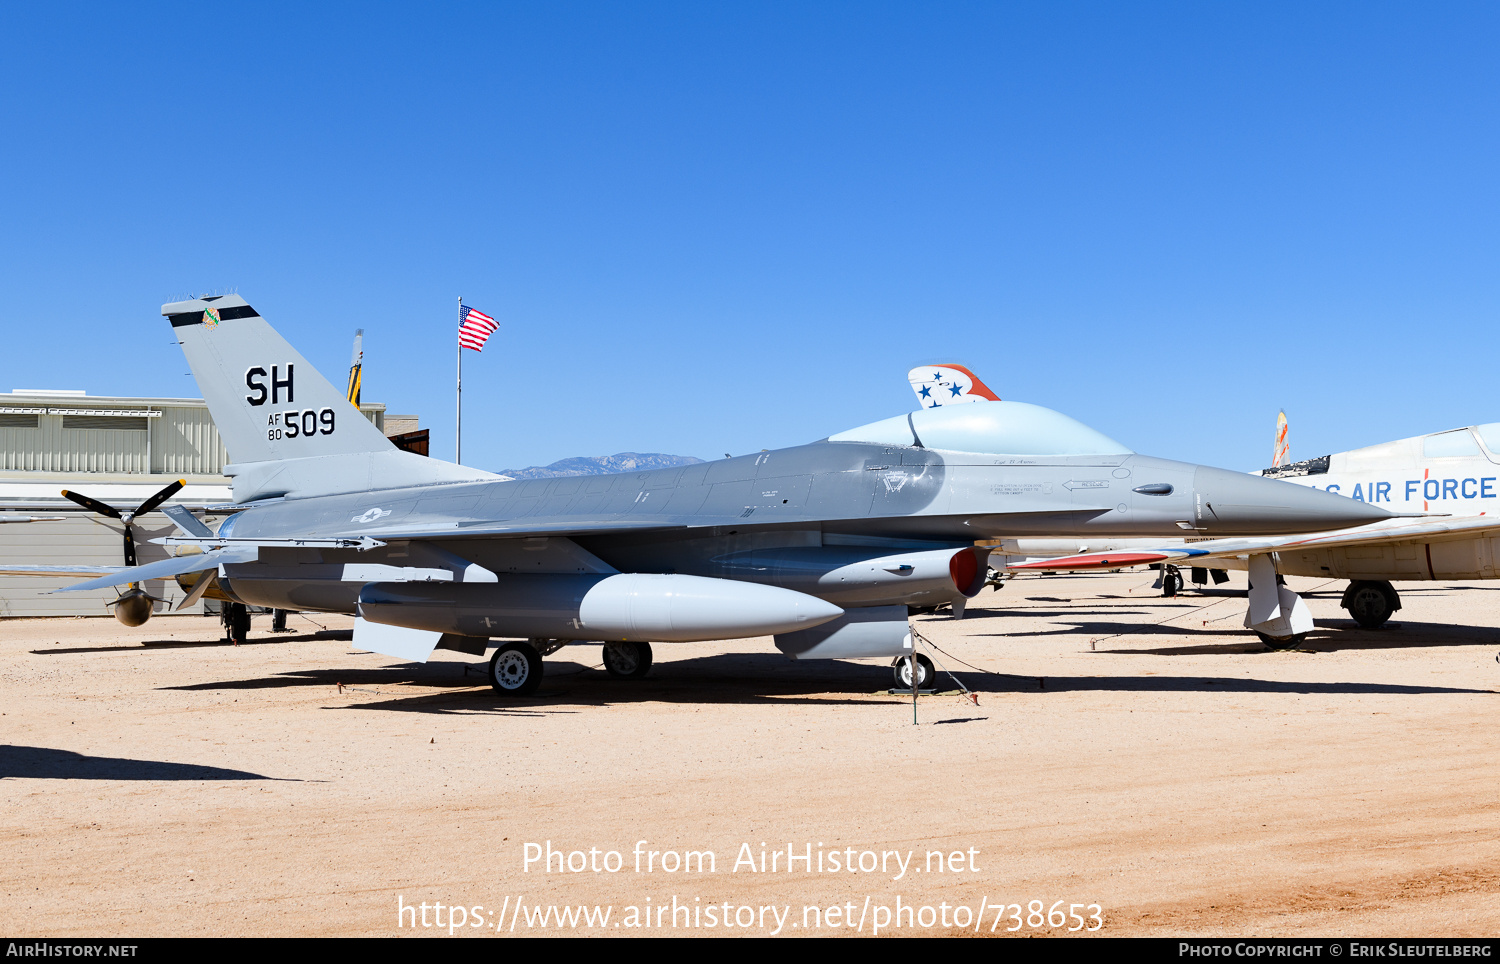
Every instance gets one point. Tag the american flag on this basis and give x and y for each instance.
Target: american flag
(474, 327)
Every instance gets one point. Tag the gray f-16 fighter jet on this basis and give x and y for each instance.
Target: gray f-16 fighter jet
(824, 546)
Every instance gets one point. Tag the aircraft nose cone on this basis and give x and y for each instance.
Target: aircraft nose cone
(1234, 504)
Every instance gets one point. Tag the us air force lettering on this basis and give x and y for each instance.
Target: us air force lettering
(1456, 471)
(823, 546)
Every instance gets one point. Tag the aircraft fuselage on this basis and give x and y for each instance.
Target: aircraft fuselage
(773, 517)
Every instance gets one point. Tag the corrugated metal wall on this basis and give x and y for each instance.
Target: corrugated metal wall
(80, 540)
(52, 448)
(182, 441)
(185, 442)
(40, 440)
(21, 449)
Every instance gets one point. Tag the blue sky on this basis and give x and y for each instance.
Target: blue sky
(711, 228)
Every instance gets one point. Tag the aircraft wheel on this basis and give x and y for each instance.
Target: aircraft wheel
(516, 669)
(1369, 604)
(1171, 582)
(926, 673)
(627, 660)
(1281, 642)
(237, 622)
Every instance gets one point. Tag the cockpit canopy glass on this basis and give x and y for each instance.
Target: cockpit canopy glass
(1490, 433)
(1455, 444)
(990, 428)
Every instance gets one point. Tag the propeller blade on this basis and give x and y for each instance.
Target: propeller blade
(159, 497)
(92, 504)
(129, 546)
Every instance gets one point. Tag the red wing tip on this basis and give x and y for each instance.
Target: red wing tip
(1098, 560)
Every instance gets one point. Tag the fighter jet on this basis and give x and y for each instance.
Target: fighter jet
(823, 546)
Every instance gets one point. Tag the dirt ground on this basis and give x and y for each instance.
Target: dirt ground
(1146, 768)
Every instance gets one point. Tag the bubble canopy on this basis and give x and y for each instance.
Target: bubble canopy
(991, 428)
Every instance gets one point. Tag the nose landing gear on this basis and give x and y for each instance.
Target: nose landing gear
(1171, 581)
(926, 673)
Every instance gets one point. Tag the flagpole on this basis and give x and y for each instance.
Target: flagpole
(458, 441)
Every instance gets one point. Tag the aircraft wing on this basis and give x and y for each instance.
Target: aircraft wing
(119, 576)
(465, 529)
(1206, 552)
(59, 570)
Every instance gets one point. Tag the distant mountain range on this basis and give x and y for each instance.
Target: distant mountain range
(601, 465)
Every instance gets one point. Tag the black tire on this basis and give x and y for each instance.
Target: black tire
(237, 622)
(926, 672)
(1171, 583)
(1369, 604)
(1281, 642)
(627, 660)
(516, 669)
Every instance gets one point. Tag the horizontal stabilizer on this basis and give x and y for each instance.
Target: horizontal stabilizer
(167, 567)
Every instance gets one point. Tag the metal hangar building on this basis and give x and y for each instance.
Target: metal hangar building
(119, 451)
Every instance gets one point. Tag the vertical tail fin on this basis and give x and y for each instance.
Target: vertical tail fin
(939, 385)
(356, 368)
(289, 432)
(266, 400)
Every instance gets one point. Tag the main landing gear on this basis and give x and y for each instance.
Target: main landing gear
(1371, 602)
(236, 617)
(516, 669)
(627, 660)
(1171, 581)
